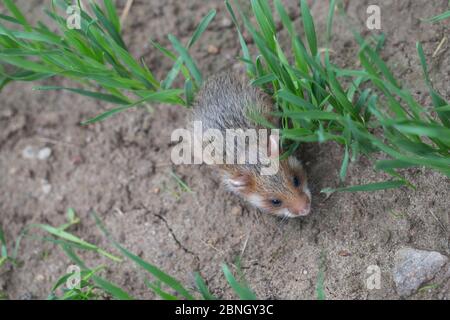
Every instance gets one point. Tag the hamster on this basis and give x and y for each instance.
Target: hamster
(226, 101)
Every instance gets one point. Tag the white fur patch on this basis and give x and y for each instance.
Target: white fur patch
(294, 163)
(255, 200)
(307, 192)
(286, 213)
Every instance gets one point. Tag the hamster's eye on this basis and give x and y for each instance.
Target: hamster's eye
(296, 182)
(276, 202)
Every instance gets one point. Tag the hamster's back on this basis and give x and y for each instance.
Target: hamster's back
(224, 102)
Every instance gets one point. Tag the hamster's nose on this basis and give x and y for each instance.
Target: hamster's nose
(302, 208)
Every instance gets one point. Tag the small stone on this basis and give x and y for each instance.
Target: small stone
(46, 187)
(29, 152)
(344, 253)
(44, 153)
(226, 23)
(156, 191)
(212, 49)
(305, 272)
(26, 296)
(40, 278)
(414, 267)
(236, 211)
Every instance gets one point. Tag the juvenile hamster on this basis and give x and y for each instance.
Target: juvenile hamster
(224, 102)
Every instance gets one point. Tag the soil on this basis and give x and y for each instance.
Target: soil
(121, 169)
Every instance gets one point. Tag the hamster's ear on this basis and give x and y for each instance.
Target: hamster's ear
(237, 182)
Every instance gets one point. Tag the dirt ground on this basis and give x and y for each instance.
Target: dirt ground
(116, 167)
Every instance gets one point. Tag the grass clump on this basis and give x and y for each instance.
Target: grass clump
(314, 104)
(94, 56)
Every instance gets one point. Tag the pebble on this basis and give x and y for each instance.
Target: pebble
(27, 296)
(44, 153)
(344, 253)
(30, 152)
(212, 49)
(413, 267)
(40, 278)
(46, 186)
(236, 210)
(226, 23)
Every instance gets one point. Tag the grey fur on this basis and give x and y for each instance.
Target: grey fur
(223, 103)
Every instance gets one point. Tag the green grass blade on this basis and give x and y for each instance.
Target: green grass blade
(9, 19)
(241, 290)
(163, 294)
(189, 92)
(392, 164)
(438, 17)
(3, 248)
(267, 29)
(367, 187)
(173, 73)
(112, 14)
(201, 285)
(320, 288)
(438, 101)
(65, 235)
(167, 96)
(251, 69)
(344, 166)
(157, 273)
(91, 94)
(285, 19)
(17, 14)
(112, 289)
(112, 31)
(70, 237)
(187, 60)
(107, 286)
(308, 25)
(62, 280)
(332, 7)
(201, 28)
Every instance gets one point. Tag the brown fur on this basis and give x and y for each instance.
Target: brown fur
(223, 103)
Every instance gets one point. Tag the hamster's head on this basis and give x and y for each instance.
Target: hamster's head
(284, 194)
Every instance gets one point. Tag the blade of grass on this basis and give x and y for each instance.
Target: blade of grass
(112, 14)
(201, 285)
(320, 291)
(167, 96)
(17, 14)
(70, 237)
(241, 290)
(438, 17)
(91, 94)
(107, 286)
(308, 25)
(438, 101)
(367, 187)
(187, 59)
